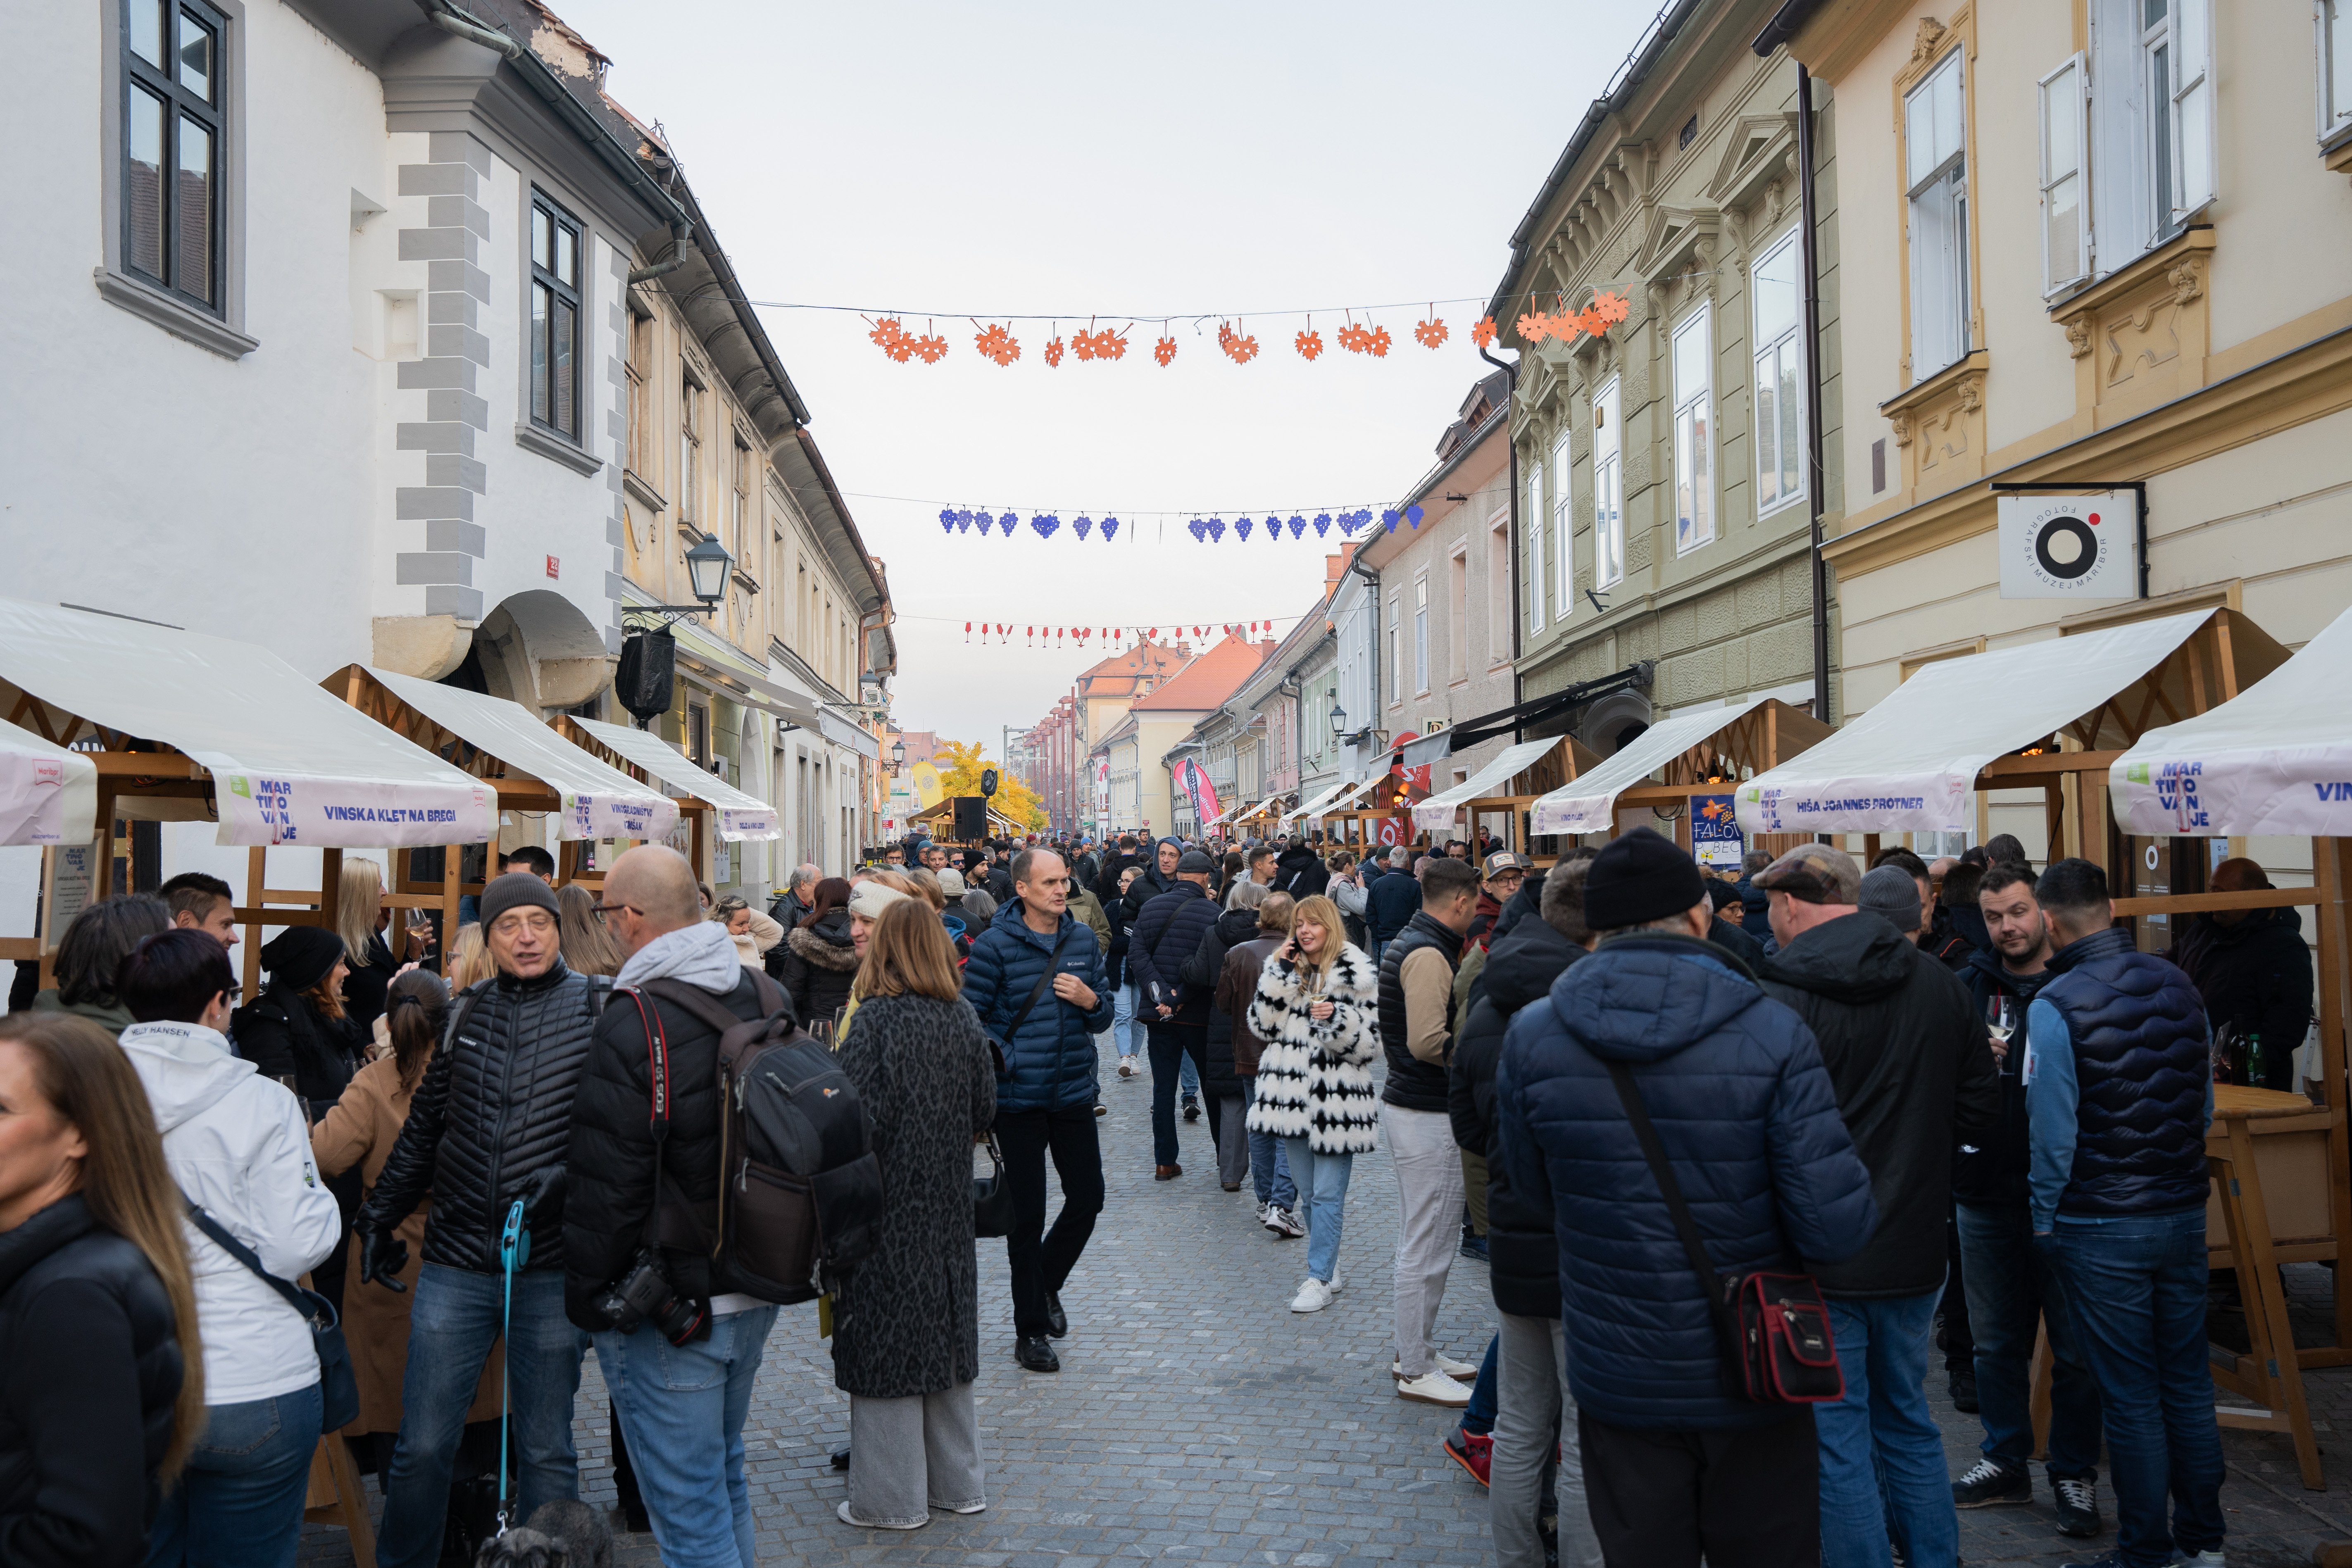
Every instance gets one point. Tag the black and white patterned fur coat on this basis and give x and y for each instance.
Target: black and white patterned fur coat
(1315, 1080)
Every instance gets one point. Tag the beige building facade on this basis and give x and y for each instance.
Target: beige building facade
(1665, 494)
(2087, 242)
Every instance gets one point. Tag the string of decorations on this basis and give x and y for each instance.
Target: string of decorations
(1111, 638)
(994, 340)
(1207, 530)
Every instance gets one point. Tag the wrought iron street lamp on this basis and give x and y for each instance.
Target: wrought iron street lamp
(707, 566)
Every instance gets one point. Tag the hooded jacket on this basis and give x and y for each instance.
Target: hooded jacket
(1914, 1079)
(2255, 975)
(1115, 864)
(820, 965)
(1995, 1176)
(1203, 971)
(1166, 934)
(1744, 1109)
(1391, 903)
(86, 1391)
(1522, 1254)
(237, 1143)
(1152, 883)
(494, 1109)
(1050, 1063)
(1301, 872)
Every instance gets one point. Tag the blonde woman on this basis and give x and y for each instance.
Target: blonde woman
(753, 933)
(469, 958)
(587, 947)
(1316, 1013)
(362, 916)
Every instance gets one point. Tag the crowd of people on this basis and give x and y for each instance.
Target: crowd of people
(395, 1198)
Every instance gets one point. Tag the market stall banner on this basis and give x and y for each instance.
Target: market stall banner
(632, 816)
(1194, 779)
(1716, 840)
(48, 794)
(258, 810)
(2276, 758)
(760, 823)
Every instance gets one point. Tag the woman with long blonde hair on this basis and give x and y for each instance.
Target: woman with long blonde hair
(102, 1387)
(1317, 1014)
(469, 957)
(362, 915)
(587, 947)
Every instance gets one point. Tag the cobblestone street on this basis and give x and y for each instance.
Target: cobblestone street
(1197, 1420)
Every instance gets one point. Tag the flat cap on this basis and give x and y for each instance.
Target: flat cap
(1816, 873)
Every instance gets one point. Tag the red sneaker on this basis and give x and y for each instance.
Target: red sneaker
(1474, 1451)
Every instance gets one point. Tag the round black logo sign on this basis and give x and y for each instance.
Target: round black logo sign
(2065, 547)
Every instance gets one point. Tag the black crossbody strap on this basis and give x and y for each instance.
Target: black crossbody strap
(1629, 1094)
(1052, 963)
(245, 1254)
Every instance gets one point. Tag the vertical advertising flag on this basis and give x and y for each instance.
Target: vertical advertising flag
(1198, 790)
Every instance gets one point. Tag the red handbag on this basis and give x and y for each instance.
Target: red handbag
(1774, 1329)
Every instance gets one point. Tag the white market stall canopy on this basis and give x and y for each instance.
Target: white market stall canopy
(1330, 800)
(47, 795)
(739, 815)
(598, 801)
(2275, 759)
(288, 763)
(1438, 810)
(1911, 763)
(1589, 804)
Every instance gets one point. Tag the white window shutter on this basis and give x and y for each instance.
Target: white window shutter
(2193, 150)
(2065, 164)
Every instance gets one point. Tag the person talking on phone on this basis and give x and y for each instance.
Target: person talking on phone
(1035, 978)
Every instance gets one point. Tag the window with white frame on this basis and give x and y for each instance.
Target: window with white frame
(1396, 667)
(1935, 161)
(1421, 635)
(1693, 433)
(1498, 592)
(740, 503)
(2133, 117)
(1563, 482)
(2332, 23)
(1608, 488)
(1773, 286)
(1532, 519)
(689, 450)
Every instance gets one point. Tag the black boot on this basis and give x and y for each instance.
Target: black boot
(1036, 1354)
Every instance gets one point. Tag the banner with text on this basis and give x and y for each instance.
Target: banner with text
(345, 813)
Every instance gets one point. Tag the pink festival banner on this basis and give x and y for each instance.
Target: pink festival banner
(1203, 794)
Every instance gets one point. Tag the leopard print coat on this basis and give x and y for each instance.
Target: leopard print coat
(1315, 1080)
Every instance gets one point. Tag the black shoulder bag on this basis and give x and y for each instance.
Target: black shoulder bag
(991, 1195)
(338, 1390)
(1774, 1329)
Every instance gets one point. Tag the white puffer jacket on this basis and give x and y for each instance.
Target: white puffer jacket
(237, 1143)
(1315, 1080)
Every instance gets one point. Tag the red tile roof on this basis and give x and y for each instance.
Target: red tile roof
(1209, 679)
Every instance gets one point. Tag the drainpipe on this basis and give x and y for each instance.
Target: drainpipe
(1816, 474)
(1373, 579)
(1517, 524)
(450, 21)
(680, 231)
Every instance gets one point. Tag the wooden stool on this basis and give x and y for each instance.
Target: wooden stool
(2269, 1375)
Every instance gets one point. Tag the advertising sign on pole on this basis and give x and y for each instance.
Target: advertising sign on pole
(1716, 839)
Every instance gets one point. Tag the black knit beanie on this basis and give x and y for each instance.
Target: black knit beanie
(299, 956)
(1638, 878)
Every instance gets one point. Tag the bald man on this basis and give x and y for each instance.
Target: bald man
(2254, 971)
(681, 1393)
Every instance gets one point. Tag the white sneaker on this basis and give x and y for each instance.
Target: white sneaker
(1458, 1370)
(1126, 1067)
(1314, 1296)
(1433, 1388)
(1282, 1223)
(843, 1514)
(2198, 1560)
(1337, 1284)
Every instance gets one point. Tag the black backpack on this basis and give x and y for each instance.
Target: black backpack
(799, 1190)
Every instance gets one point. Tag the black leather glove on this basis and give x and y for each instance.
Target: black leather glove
(383, 1255)
(541, 1192)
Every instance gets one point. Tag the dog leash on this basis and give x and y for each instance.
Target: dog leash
(514, 1250)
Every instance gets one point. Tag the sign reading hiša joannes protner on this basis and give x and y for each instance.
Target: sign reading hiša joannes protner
(336, 814)
(1935, 803)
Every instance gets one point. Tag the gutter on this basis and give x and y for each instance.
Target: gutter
(1518, 532)
(1785, 25)
(1372, 578)
(840, 506)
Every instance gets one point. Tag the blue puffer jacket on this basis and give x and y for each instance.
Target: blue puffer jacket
(1391, 903)
(1735, 1084)
(1051, 1063)
(1166, 934)
(2143, 1075)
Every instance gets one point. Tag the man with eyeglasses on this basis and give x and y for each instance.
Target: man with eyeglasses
(490, 1125)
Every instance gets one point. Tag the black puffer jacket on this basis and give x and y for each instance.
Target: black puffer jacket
(1201, 972)
(1522, 1249)
(1914, 1077)
(1301, 872)
(86, 1392)
(1167, 932)
(2256, 975)
(494, 1109)
(820, 965)
(610, 1146)
(282, 1032)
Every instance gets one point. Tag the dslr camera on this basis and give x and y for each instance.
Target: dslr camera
(644, 1295)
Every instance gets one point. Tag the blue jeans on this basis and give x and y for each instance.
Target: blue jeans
(682, 1409)
(1122, 1024)
(1269, 1161)
(2011, 1288)
(450, 1331)
(2136, 1287)
(1323, 1199)
(1882, 1457)
(1479, 1416)
(1188, 1072)
(240, 1500)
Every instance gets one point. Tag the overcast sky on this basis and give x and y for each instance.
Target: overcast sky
(1132, 162)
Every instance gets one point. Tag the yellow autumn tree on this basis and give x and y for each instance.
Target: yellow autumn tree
(960, 764)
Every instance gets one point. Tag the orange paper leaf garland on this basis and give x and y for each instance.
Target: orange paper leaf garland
(1613, 307)
(1309, 345)
(998, 343)
(1483, 334)
(1238, 348)
(1053, 351)
(1104, 344)
(1164, 351)
(892, 338)
(1377, 343)
(1430, 333)
(930, 348)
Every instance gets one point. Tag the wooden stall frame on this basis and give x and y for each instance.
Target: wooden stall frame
(699, 813)
(1755, 742)
(2270, 1373)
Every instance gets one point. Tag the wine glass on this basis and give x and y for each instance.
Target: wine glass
(2001, 1023)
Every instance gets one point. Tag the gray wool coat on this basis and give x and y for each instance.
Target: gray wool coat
(905, 1321)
